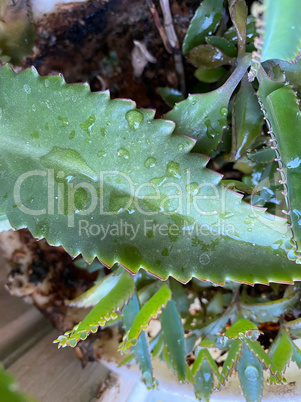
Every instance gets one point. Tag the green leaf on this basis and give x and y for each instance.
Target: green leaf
(250, 374)
(150, 310)
(281, 108)
(241, 329)
(209, 76)
(238, 186)
(4, 223)
(238, 11)
(140, 350)
(231, 34)
(127, 360)
(223, 45)
(281, 350)
(215, 306)
(179, 295)
(8, 389)
(266, 155)
(204, 116)
(270, 311)
(147, 203)
(204, 22)
(282, 30)
(292, 71)
(247, 119)
(296, 355)
(174, 338)
(232, 358)
(104, 311)
(95, 294)
(208, 56)
(204, 382)
(170, 95)
(262, 356)
(159, 346)
(294, 327)
(202, 355)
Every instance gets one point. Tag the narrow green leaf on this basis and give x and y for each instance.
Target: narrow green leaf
(202, 355)
(238, 186)
(296, 355)
(140, 350)
(281, 350)
(104, 311)
(269, 311)
(127, 360)
(232, 358)
(204, 382)
(262, 356)
(238, 11)
(281, 108)
(159, 346)
(241, 329)
(294, 327)
(146, 204)
(231, 34)
(95, 294)
(204, 22)
(247, 119)
(204, 116)
(174, 338)
(250, 374)
(282, 30)
(179, 295)
(150, 310)
(4, 223)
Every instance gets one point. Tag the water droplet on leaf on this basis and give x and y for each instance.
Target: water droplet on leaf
(134, 119)
(150, 162)
(251, 373)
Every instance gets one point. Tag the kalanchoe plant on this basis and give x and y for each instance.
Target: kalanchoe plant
(108, 181)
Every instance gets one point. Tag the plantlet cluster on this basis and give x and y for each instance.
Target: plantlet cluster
(106, 180)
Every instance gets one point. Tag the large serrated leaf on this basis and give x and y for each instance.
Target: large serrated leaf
(104, 179)
(140, 350)
(250, 374)
(281, 108)
(282, 30)
(204, 22)
(150, 310)
(102, 312)
(269, 311)
(174, 338)
(281, 350)
(204, 116)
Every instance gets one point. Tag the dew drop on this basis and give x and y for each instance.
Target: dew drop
(224, 111)
(35, 134)
(88, 124)
(249, 229)
(27, 88)
(134, 119)
(247, 222)
(47, 83)
(101, 154)
(180, 147)
(251, 373)
(124, 153)
(33, 108)
(226, 215)
(150, 162)
(103, 132)
(173, 170)
(211, 133)
(72, 135)
(193, 188)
